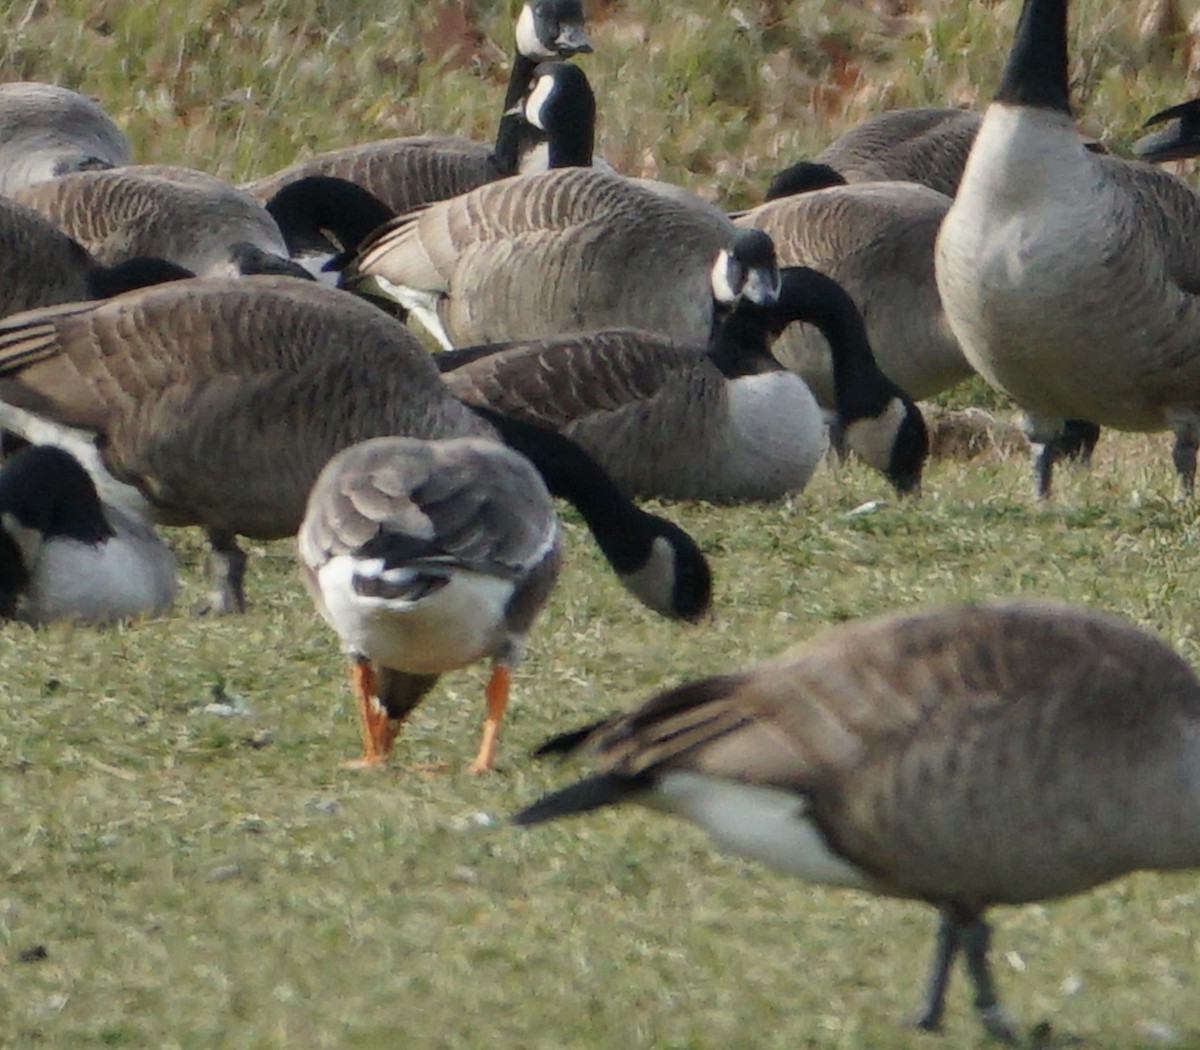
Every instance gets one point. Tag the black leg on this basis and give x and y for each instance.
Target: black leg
(1184, 457)
(227, 574)
(945, 949)
(975, 937)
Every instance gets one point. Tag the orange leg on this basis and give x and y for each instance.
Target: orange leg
(497, 701)
(378, 730)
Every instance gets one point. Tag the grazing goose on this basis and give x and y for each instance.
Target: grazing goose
(64, 555)
(567, 250)
(1052, 257)
(425, 556)
(186, 217)
(47, 131)
(966, 757)
(928, 146)
(217, 404)
(672, 422)
(405, 173)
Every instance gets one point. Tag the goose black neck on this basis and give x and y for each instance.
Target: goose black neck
(572, 135)
(304, 209)
(742, 345)
(506, 153)
(1036, 71)
(860, 388)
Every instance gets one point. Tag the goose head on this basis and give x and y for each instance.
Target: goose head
(548, 28)
(747, 268)
(1178, 140)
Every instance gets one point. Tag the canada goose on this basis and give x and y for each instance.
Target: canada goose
(186, 217)
(928, 146)
(407, 172)
(964, 756)
(1178, 140)
(729, 425)
(568, 250)
(217, 404)
(1051, 256)
(41, 266)
(426, 556)
(64, 555)
(47, 131)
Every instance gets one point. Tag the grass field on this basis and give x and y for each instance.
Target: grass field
(182, 862)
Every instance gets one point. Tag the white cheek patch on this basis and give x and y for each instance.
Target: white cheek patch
(873, 438)
(723, 291)
(539, 97)
(528, 43)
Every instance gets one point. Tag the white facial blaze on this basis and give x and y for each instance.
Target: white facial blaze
(723, 290)
(527, 39)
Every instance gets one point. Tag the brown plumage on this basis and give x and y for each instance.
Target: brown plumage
(426, 556)
(966, 756)
(220, 402)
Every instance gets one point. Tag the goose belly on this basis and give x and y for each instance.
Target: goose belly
(449, 627)
(97, 583)
(769, 825)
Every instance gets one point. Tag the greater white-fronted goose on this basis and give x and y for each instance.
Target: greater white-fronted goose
(965, 756)
(65, 555)
(426, 556)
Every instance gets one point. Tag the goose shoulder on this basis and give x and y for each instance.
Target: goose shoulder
(47, 131)
(877, 240)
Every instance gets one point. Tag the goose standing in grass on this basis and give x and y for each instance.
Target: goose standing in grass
(406, 173)
(966, 757)
(218, 404)
(194, 220)
(569, 250)
(47, 131)
(1070, 278)
(426, 556)
(65, 555)
(729, 425)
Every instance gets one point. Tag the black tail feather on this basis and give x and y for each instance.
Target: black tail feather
(601, 789)
(567, 742)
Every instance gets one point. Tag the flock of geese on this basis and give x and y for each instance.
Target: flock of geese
(173, 352)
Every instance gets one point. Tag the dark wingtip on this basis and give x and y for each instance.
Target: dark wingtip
(594, 792)
(566, 743)
(803, 177)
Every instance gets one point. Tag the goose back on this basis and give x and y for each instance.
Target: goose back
(47, 131)
(188, 218)
(568, 250)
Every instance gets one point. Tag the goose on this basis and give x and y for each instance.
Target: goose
(64, 555)
(570, 249)
(1052, 255)
(217, 404)
(47, 131)
(729, 425)
(965, 756)
(927, 145)
(426, 556)
(407, 172)
(1179, 139)
(186, 217)
(41, 266)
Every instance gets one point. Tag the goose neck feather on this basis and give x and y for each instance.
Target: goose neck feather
(1036, 71)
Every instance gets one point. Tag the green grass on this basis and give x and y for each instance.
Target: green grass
(192, 889)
